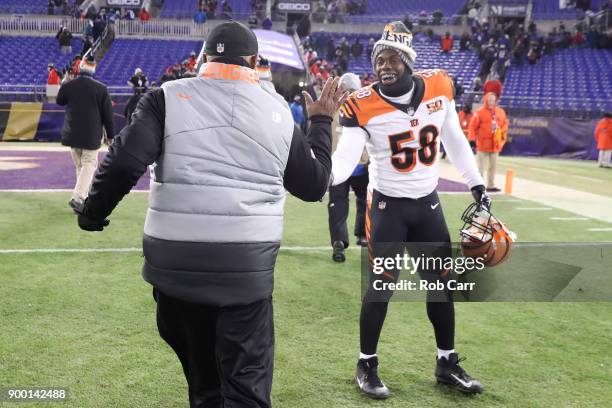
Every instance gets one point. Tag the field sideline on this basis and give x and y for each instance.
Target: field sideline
(86, 320)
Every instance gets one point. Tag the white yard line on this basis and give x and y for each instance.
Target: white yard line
(40, 147)
(569, 218)
(134, 249)
(582, 203)
(534, 208)
(600, 229)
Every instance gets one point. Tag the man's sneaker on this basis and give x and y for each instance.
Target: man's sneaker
(338, 254)
(362, 241)
(75, 205)
(366, 378)
(448, 371)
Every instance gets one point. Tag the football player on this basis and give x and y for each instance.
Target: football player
(401, 119)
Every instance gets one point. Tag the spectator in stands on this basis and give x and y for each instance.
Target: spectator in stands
(592, 37)
(534, 52)
(465, 117)
(532, 29)
(370, 48)
(446, 43)
(168, 75)
(266, 24)
(88, 110)
(408, 22)
(226, 10)
(465, 41)
(54, 80)
(138, 81)
(76, 64)
(345, 47)
(64, 38)
(193, 60)
(98, 28)
(86, 45)
(144, 15)
(437, 17)
(477, 87)
(577, 38)
(357, 48)
(50, 7)
(457, 86)
(253, 21)
(493, 85)
(489, 127)
(603, 137)
(423, 18)
(200, 16)
(330, 49)
(297, 111)
(304, 26)
(129, 15)
(341, 61)
(502, 61)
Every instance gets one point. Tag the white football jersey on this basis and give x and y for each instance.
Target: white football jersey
(403, 141)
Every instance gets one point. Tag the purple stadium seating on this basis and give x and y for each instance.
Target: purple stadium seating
(184, 9)
(153, 56)
(571, 79)
(575, 79)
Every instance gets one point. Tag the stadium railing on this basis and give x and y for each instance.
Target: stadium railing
(37, 93)
(49, 24)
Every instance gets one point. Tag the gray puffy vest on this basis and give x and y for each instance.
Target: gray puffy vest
(215, 215)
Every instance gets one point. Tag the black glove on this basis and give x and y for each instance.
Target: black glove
(481, 197)
(89, 224)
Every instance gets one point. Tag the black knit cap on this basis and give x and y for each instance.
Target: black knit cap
(231, 39)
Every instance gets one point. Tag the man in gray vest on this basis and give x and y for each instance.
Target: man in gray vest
(223, 152)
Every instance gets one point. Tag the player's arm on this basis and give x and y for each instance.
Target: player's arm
(347, 154)
(309, 163)
(136, 147)
(460, 154)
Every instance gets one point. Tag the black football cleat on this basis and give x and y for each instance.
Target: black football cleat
(362, 241)
(338, 254)
(366, 378)
(448, 371)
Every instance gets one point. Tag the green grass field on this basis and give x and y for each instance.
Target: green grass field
(86, 320)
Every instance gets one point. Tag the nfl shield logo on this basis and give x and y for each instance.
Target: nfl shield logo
(220, 48)
(382, 205)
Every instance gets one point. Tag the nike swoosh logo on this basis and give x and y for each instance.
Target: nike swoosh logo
(465, 384)
(183, 96)
(434, 206)
(359, 383)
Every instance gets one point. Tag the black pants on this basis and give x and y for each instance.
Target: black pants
(410, 224)
(227, 353)
(338, 208)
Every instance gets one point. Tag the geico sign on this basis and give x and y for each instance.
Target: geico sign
(123, 2)
(294, 6)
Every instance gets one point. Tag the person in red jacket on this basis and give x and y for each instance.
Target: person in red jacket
(54, 80)
(54, 77)
(465, 117)
(494, 85)
(144, 15)
(603, 136)
(489, 127)
(446, 42)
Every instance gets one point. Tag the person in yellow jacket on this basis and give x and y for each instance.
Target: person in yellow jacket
(489, 127)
